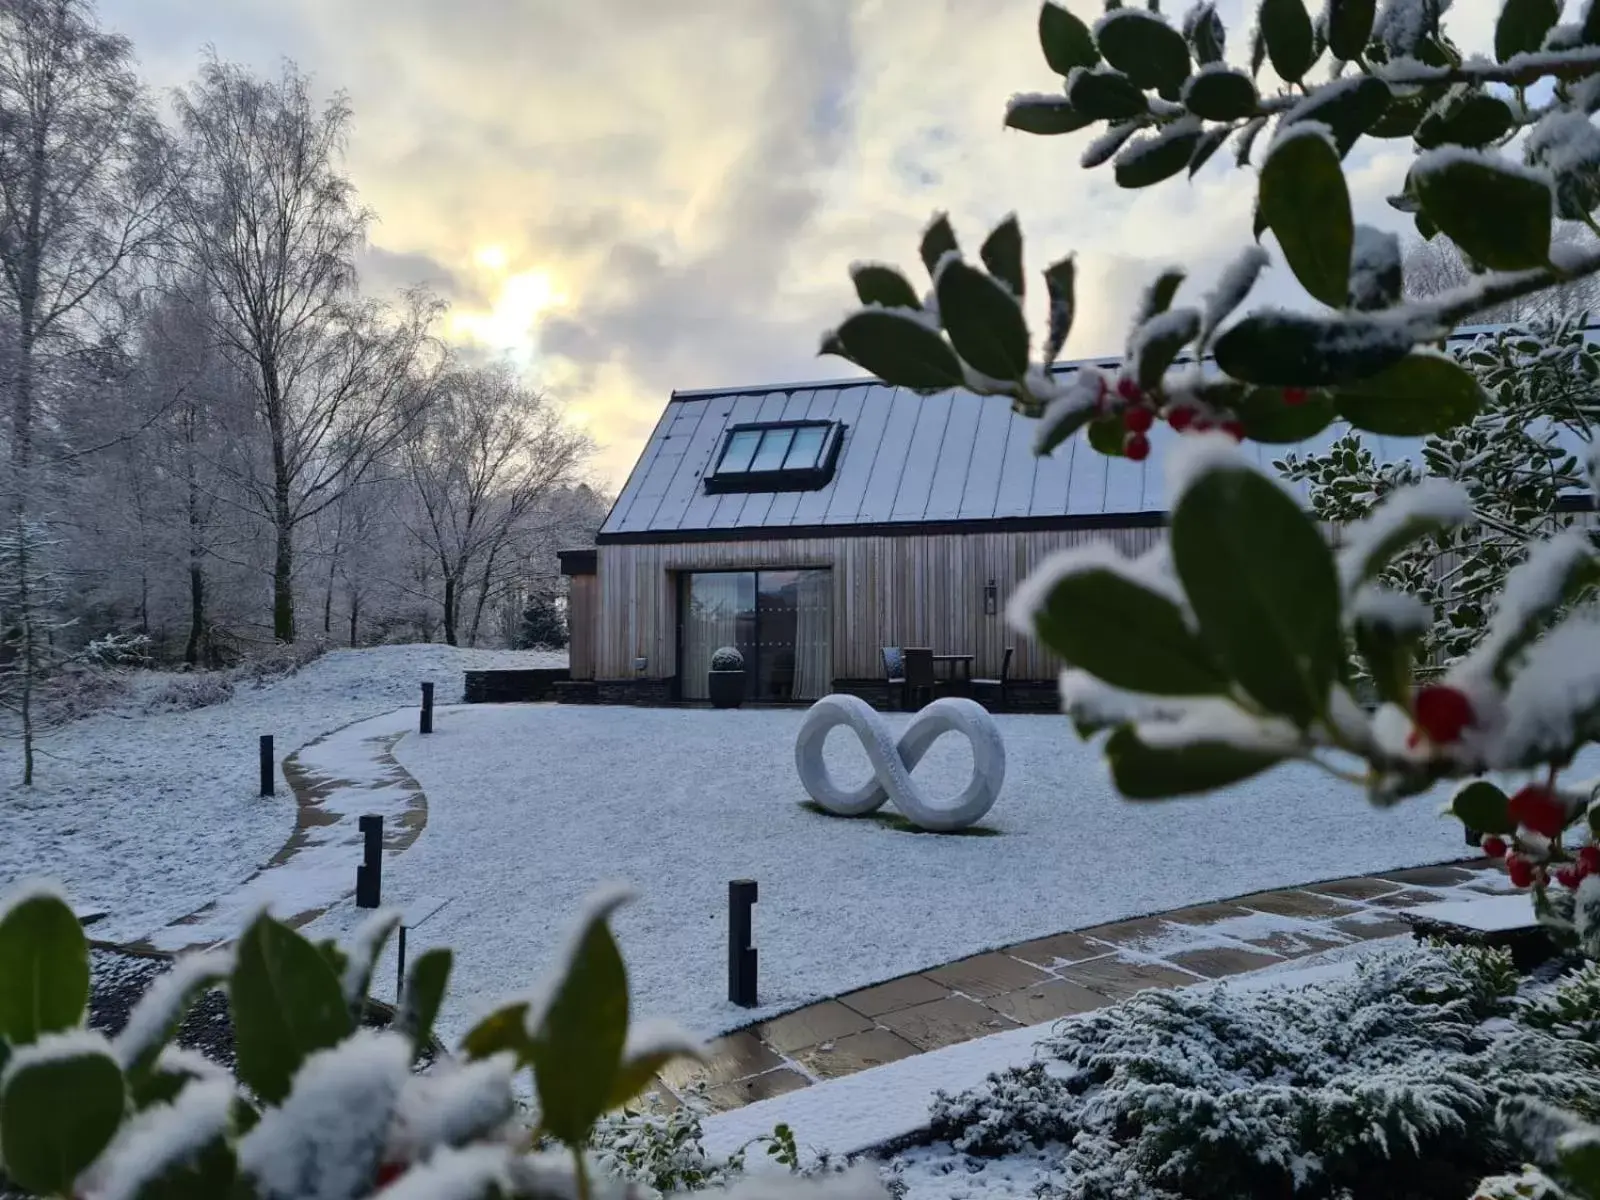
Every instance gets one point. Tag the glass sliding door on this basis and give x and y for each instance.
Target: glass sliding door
(781, 621)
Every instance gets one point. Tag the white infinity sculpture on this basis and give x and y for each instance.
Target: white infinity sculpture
(892, 763)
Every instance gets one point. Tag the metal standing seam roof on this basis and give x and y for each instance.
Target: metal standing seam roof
(906, 459)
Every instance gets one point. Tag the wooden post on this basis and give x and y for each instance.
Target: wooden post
(268, 769)
(741, 954)
(369, 875)
(400, 972)
(427, 708)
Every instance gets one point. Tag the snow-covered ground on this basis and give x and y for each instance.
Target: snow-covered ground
(532, 806)
(151, 816)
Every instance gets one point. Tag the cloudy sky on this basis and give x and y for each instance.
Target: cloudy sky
(634, 196)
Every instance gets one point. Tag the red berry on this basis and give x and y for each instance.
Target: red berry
(1137, 420)
(1234, 429)
(1537, 808)
(1443, 712)
(1520, 870)
(1589, 860)
(1202, 424)
(1128, 389)
(1569, 876)
(1494, 847)
(1180, 418)
(388, 1172)
(1136, 447)
(1293, 395)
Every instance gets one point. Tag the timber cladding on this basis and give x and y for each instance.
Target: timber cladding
(888, 590)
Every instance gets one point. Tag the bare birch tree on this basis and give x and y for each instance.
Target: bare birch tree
(84, 185)
(274, 225)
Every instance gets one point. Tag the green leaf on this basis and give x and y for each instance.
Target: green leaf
(937, 241)
(1157, 298)
(581, 1036)
(1404, 113)
(424, 995)
(1045, 115)
(204, 1174)
(1247, 141)
(1473, 119)
(1206, 35)
(1105, 95)
(44, 968)
(1258, 51)
(1151, 53)
(1148, 160)
(1210, 142)
(503, 1029)
(1349, 27)
(1590, 31)
(1157, 343)
(1066, 41)
(1144, 772)
(1285, 349)
(984, 321)
(286, 1004)
(1125, 634)
(1286, 26)
(161, 1024)
(1548, 580)
(1497, 213)
(1419, 522)
(1579, 1155)
(1001, 252)
(1263, 585)
(1063, 428)
(1421, 394)
(635, 1073)
(1105, 147)
(1221, 95)
(1106, 435)
(56, 1116)
(1305, 203)
(1390, 655)
(356, 977)
(1269, 419)
(898, 349)
(877, 284)
(1483, 807)
(1522, 26)
(1060, 283)
(1349, 107)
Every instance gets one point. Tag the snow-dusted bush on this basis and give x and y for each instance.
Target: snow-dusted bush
(321, 1106)
(281, 659)
(1384, 1084)
(727, 658)
(183, 693)
(76, 692)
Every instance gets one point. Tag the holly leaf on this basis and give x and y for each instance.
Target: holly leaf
(1221, 95)
(1483, 807)
(44, 968)
(1149, 160)
(984, 321)
(56, 1115)
(1473, 119)
(1125, 634)
(1151, 53)
(937, 241)
(1210, 142)
(1143, 772)
(1421, 394)
(1263, 585)
(1157, 342)
(1349, 27)
(1389, 653)
(424, 997)
(1001, 252)
(881, 285)
(898, 349)
(1305, 203)
(1045, 115)
(1499, 214)
(1106, 435)
(1060, 282)
(1066, 41)
(286, 1004)
(1349, 107)
(1287, 349)
(1270, 419)
(1105, 95)
(1522, 26)
(1286, 27)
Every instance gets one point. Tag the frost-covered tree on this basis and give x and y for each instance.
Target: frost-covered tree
(1541, 390)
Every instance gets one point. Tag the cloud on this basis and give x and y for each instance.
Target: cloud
(641, 196)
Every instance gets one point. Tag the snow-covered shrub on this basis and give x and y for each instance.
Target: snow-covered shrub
(1384, 1084)
(117, 650)
(727, 658)
(197, 689)
(321, 1106)
(281, 659)
(75, 692)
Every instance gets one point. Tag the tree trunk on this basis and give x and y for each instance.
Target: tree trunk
(282, 510)
(22, 460)
(283, 584)
(355, 609)
(450, 610)
(197, 574)
(197, 612)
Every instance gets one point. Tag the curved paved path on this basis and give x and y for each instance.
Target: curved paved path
(336, 780)
(1039, 981)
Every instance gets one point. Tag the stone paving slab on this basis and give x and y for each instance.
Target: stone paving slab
(1071, 972)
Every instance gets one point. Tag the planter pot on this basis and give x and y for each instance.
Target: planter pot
(726, 688)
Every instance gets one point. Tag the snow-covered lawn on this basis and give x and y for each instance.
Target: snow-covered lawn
(530, 807)
(150, 816)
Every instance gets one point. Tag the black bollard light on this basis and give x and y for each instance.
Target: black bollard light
(741, 954)
(427, 708)
(369, 875)
(268, 773)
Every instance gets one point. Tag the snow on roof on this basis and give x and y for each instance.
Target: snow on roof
(906, 460)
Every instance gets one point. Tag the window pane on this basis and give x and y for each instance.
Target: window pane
(740, 448)
(774, 445)
(804, 449)
(795, 625)
(720, 610)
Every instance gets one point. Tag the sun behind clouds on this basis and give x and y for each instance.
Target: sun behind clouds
(521, 298)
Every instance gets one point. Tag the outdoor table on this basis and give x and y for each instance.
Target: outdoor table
(961, 678)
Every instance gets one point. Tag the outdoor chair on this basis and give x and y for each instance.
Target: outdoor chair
(920, 679)
(983, 688)
(894, 672)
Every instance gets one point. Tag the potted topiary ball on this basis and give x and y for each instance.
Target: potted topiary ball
(726, 681)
